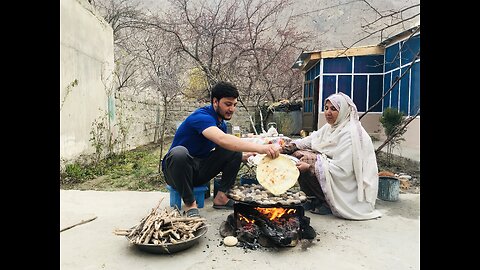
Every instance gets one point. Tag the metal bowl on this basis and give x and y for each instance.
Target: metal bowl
(170, 247)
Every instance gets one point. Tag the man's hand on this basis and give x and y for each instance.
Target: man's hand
(271, 150)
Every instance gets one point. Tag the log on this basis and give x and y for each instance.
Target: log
(79, 223)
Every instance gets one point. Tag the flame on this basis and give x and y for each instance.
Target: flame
(273, 213)
(241, 217)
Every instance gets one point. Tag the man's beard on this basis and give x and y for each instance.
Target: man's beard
(222, 115)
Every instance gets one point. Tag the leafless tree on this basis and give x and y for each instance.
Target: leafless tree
(250, 43)
(121, 15)
(162, 66)
(384, 22)
(387, 21)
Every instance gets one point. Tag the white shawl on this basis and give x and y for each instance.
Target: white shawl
(346, 166)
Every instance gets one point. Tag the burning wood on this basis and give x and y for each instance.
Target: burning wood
(279, 224)
(267, 226)
(162, 227)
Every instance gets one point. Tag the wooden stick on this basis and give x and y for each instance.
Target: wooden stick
(79, 223)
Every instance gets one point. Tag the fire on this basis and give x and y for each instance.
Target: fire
(241, 217)
(273, 212)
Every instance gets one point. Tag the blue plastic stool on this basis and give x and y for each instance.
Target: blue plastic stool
(199, 193)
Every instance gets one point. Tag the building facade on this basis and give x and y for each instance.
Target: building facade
(375, 77)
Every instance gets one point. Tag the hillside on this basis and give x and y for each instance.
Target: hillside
(338, 23)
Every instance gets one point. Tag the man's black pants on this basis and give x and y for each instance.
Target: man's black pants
(183, 172)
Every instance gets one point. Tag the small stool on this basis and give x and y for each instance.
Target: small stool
(199, 193)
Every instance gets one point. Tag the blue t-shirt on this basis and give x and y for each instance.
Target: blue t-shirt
(189, 133)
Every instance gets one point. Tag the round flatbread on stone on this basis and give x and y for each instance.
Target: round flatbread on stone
(277, 175)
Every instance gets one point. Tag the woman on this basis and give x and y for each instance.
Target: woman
(338, 164)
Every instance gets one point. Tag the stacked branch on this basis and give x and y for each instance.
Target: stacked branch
(162, 227)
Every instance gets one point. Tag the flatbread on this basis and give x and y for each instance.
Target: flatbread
(277, 175)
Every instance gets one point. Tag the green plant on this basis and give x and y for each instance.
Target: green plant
(130, 170)
(392, 122)
(76, 173)
(68, 89)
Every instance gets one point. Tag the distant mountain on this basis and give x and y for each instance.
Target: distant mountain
(338, 23)
(335, 22)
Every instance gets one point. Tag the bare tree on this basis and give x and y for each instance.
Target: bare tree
(387, 21)
(121, 15)
(248, 42)
(162, 66)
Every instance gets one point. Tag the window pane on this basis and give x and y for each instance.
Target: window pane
(337, 65)
(404, 86)
(375, 92)
(409, 49)
(329, 86)
(360, 92)
(394, 92)
(392, 60)
(369, 64)
(415, 89)
(386, 86)
(345, 84)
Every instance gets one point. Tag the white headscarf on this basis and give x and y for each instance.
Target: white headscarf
(348, 113)
(346, 166)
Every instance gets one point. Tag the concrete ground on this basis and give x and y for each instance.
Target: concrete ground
(390, 242)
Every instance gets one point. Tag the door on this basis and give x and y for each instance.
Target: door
(310, 105)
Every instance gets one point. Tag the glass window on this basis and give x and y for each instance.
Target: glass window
(392, 60)
(375, 92)
(415, 88)
(369, 64)
(360, 93)
(345, 84)
(337, 65)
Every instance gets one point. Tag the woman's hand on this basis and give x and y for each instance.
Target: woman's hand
(288, 148)
(303, 166)
(246, 155)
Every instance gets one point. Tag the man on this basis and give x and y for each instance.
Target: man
(201, 149)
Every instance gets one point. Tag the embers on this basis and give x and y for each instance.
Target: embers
(267, 226)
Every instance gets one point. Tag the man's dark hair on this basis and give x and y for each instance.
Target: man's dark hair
(224, 89)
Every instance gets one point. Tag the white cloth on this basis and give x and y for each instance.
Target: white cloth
(346, 166)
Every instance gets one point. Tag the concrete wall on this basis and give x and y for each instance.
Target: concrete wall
(86, 60)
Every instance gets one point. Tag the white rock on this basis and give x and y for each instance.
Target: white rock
(230, 241)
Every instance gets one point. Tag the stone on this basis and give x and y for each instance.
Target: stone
(230, 241)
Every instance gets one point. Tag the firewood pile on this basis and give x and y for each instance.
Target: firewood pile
(161, 227)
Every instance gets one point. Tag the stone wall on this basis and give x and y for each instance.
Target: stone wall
(138, 116)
